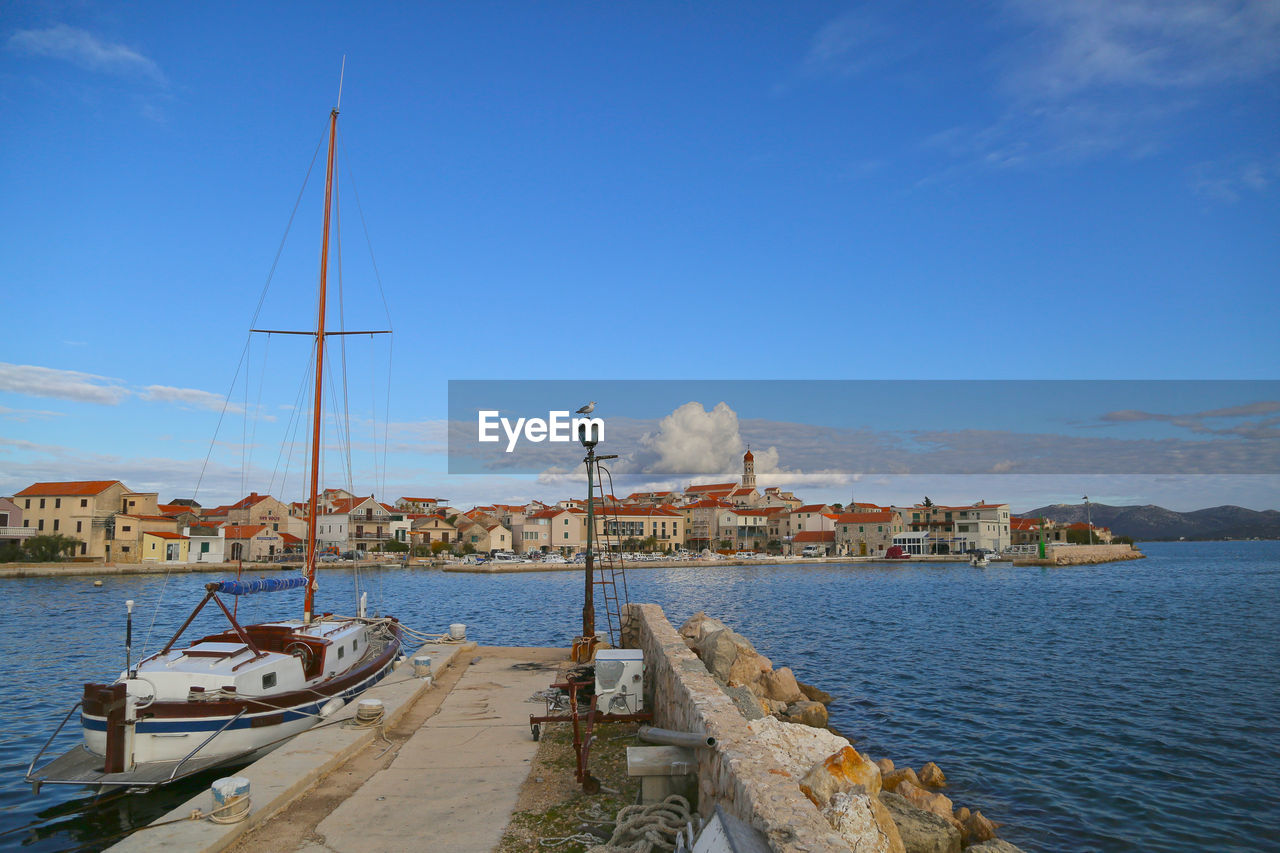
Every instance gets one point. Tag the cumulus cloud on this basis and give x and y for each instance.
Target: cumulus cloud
(85, 50)
(692, 440)
(33, 381)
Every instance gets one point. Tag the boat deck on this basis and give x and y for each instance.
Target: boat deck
(79, 766)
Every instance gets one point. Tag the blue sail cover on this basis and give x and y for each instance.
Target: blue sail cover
(247, 587)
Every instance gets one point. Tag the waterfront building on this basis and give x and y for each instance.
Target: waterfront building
(628, 527)
(427, 505)
(865, 534)
(252, 542)
(823, 540)
(957, 529)
(127, 530)
(83, 510)
(163, 546)
(205, 544)
(360, 524)
(485, 537)
(566, 528)
(12, 532)
(702, 522)
(432, 528)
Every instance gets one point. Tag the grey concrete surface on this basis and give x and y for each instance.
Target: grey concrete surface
(454, 784)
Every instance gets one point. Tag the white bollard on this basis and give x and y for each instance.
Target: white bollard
(457, 631)
(422, 666)
(230, 799)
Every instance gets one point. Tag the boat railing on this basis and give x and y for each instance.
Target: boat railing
(206, 742)
(32, 766)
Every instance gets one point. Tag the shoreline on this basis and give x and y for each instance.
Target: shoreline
(70, 570)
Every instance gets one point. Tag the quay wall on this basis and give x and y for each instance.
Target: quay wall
(1080, 555)
(684, 697)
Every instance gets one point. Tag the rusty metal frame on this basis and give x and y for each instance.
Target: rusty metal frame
(583, 721)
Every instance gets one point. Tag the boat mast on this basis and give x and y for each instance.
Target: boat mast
(319, 395)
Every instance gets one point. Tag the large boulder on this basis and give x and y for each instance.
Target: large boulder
(885, 765)
(780, 685)
(921, 831)
(927, 800)
(844, 771)
(977, 828)
(808, 713)
(699, 625)
(864, 823)
(731, 658)
(813, 694)
(995, 845)
(932, 775)
(894, 778)
(793, 749)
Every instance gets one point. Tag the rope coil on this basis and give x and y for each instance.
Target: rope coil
(644, 829)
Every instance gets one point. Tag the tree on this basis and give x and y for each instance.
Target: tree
(650, 543)
(395, 546)
(927, 502)
(724, 544)
(838, 507)
(774, 546)
(437, 547)
(50, 547)
(468, 548)
(1080, 537)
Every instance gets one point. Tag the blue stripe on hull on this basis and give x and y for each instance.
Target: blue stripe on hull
(212, 724)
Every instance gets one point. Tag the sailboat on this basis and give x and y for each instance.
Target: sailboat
(231, 697)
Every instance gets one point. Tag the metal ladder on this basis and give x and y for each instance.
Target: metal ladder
(610, 572)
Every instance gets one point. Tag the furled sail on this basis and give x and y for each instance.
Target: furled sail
(247, 587)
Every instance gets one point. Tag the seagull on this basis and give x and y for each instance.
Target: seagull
(587, 409)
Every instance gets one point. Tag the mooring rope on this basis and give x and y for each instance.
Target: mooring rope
(643, 829)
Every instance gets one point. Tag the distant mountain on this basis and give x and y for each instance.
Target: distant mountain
(1155, 522)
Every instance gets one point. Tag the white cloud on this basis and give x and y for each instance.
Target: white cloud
(33, 381)
(692, 440)
(24, 415)
(82, 48)
(191, 397)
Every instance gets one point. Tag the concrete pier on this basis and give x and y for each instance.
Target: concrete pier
(450, 767)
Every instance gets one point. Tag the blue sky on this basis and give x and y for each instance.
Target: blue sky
(1081, 189)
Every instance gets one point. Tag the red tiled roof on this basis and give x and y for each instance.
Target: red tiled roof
(748, 512)
(1016, 523)
(252, 499)
(422, 500)
(61, 490)
(865, 517)
(164, 534)
(342, 505)
(243, 531)
(290, 538)
(712, 487)
(815, 536)
(811, 508)
(708, 504)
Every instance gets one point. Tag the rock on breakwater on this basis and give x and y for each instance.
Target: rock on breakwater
(871, 805)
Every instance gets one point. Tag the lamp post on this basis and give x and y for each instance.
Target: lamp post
(1089, 515)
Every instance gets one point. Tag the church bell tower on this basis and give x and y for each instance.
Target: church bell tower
(748, 470)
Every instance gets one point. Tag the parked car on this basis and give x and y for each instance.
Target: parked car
(329, 558)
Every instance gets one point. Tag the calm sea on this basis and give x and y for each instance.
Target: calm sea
(1130, 706)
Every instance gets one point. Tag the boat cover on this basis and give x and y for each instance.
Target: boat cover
(249, 586)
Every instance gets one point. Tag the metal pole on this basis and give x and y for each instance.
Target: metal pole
(313, 507)
(588, 603)
(128, 637)
(1089, 515)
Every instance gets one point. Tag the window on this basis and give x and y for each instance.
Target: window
(204, 547)
(342, 650)
(42, 503)
(275, 527)
(131, 503)
(268, 680)
(57, 503)
(126, 528)
(354, 643)
(40, 525)
(84, 502)
(55, 524)
(28, 506)
(124, 548)
(79, 526)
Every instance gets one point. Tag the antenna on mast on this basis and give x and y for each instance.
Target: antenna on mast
(341, 74)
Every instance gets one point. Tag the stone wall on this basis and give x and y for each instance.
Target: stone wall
(1075, 555)
(684, 697)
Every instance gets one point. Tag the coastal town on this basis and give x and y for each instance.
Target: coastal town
(105, 520)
